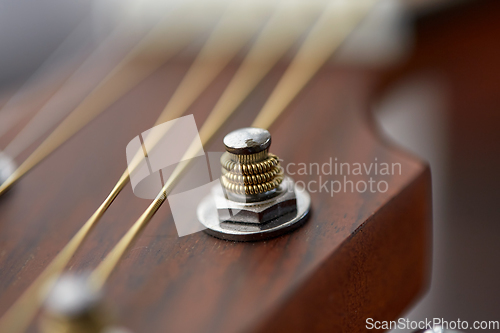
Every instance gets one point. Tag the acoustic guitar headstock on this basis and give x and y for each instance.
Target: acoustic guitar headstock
(363, 251)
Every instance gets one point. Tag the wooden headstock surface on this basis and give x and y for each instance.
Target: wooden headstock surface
(360, 255)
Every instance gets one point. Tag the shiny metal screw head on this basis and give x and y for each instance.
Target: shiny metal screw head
(247, 167)
(72, 296)
(248, 140)
(72, 305)
(256, 200)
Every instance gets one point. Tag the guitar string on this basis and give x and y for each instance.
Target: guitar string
(51, 112)
(12, 112)
(17, 317)
(114, 85)
(311, 57)
(299, 72)
(204, 69)
(166, 188)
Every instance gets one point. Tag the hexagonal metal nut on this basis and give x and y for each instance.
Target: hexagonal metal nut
(260, 212)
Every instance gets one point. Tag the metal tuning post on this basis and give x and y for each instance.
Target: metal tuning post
(74, 306)
(256, 200)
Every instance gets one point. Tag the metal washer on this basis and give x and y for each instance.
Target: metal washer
(207, 215)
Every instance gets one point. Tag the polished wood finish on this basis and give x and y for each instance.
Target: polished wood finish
(360, 255)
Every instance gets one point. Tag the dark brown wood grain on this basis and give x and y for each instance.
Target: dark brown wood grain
(361, 255)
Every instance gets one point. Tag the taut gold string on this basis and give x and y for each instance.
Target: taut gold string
(114, 85)
(205, 68)
(321, 42)
(326, 36)
(244, 81)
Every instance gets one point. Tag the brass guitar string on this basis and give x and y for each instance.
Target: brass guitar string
(51, 112)
(327, 34)
(123, 77)
(325, 37)
(153, 207)
(12, 112)
(118, 82)
(244, 81)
